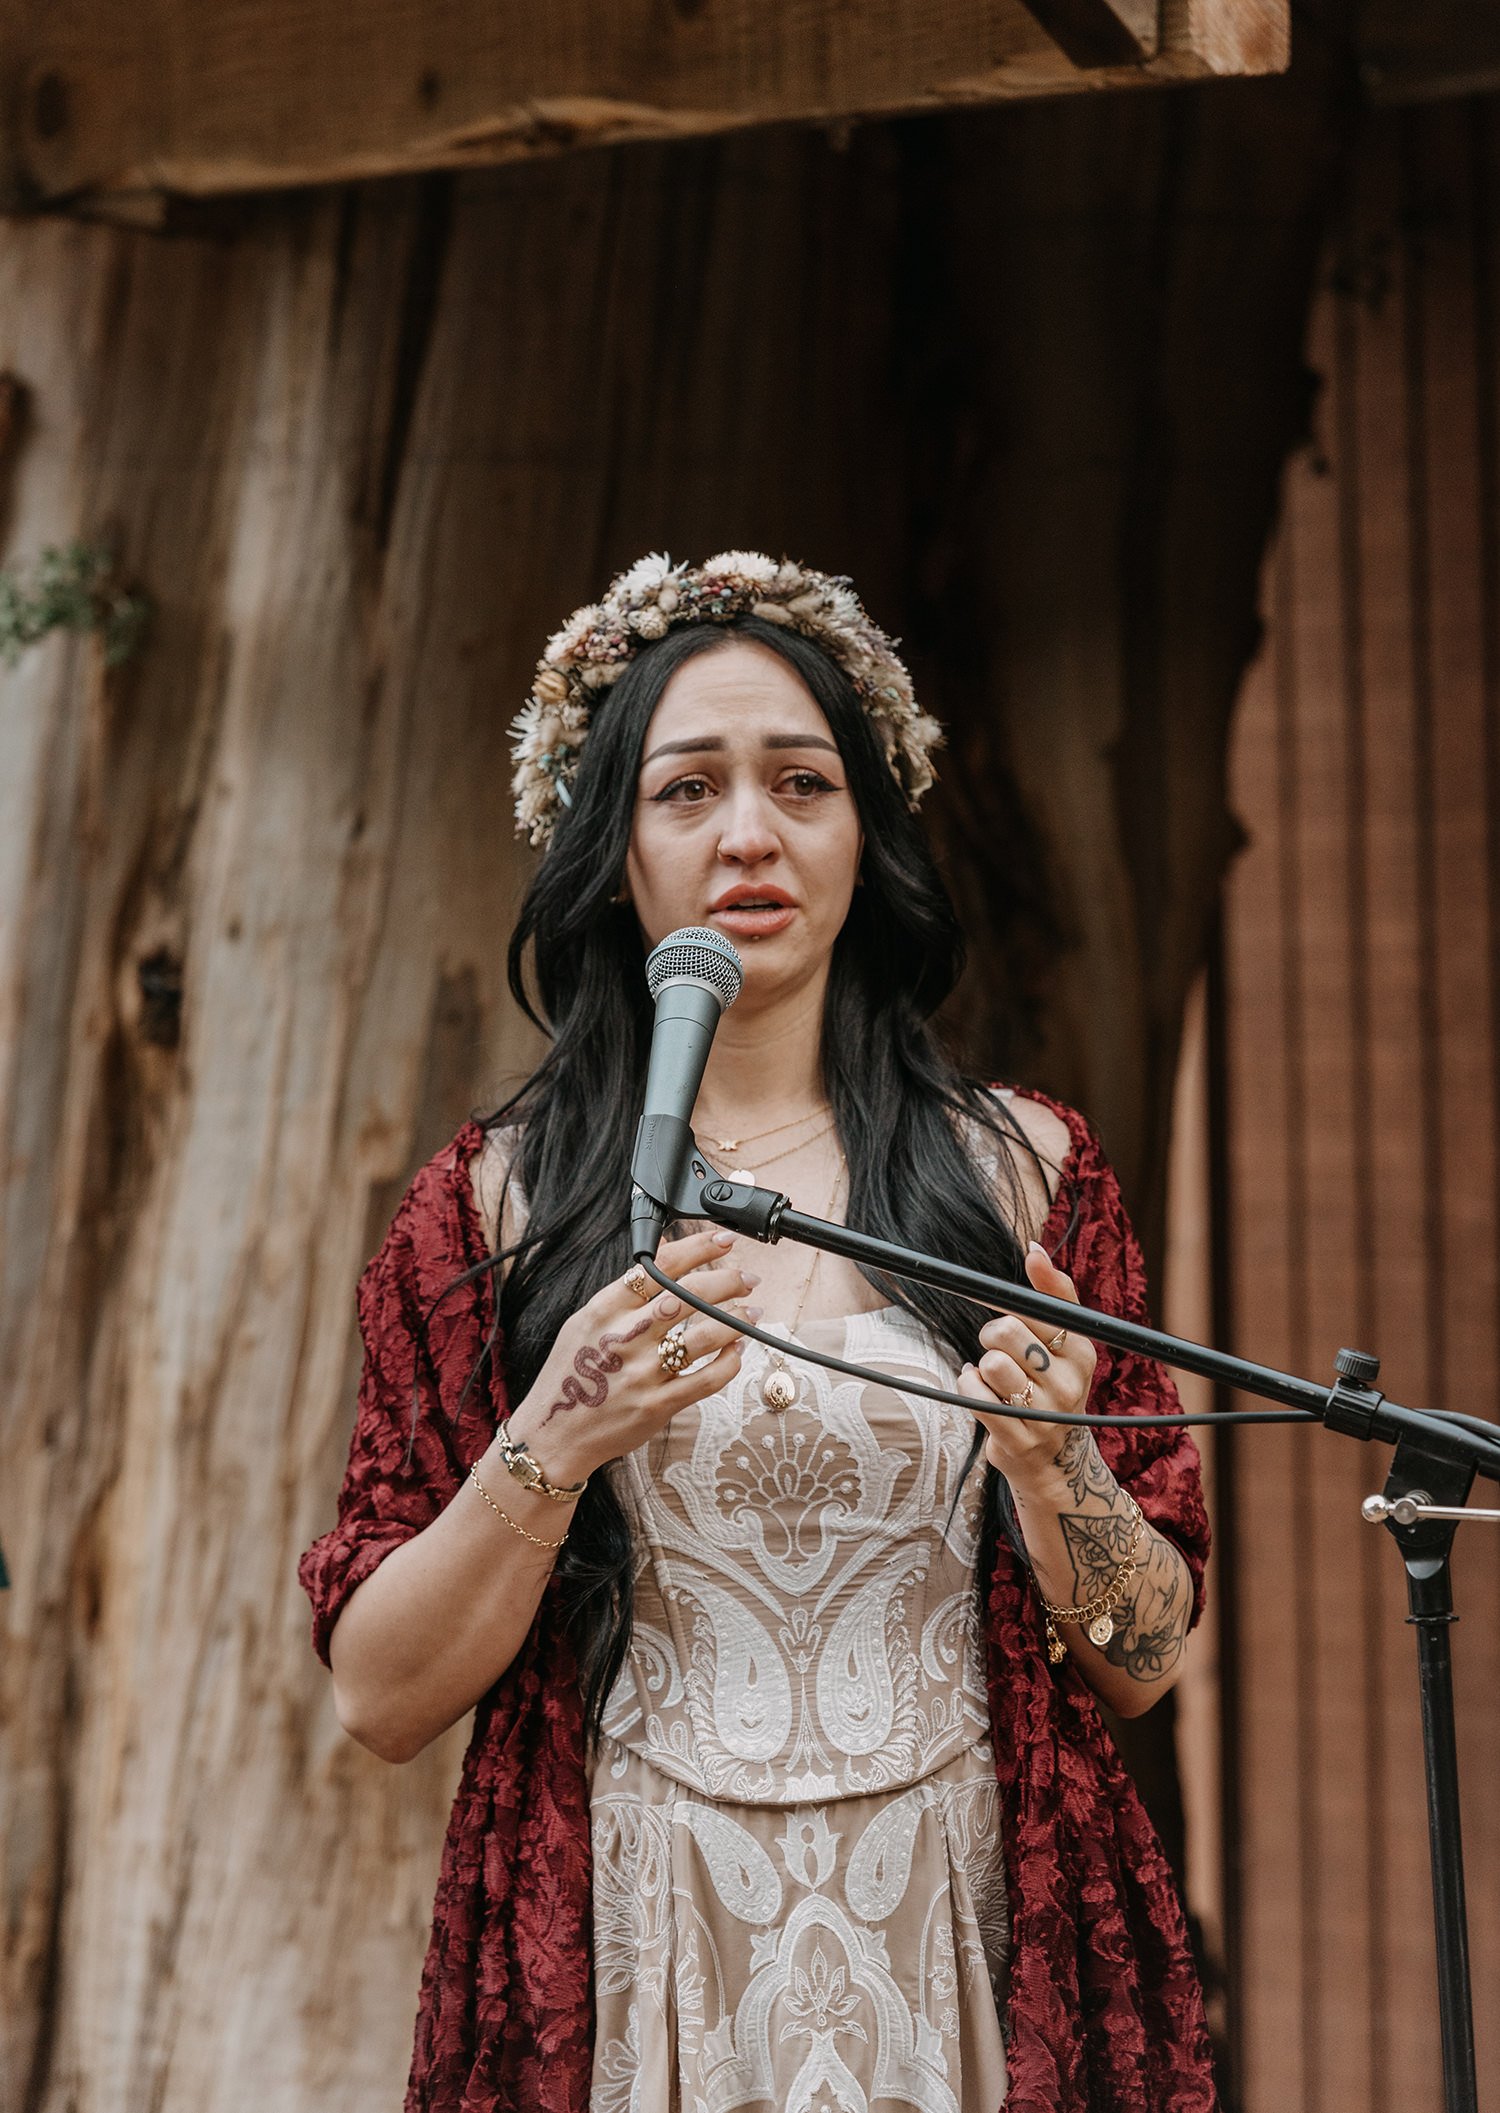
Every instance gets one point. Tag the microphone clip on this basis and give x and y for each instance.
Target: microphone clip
(679, 1183)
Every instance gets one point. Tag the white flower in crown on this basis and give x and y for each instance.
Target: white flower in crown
(598, 642)
(751, 566)
(645, 576)
(564, 644)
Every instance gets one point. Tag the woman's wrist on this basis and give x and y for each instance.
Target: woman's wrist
(1041, 1487)
(1067, 1473)
(561, 1462)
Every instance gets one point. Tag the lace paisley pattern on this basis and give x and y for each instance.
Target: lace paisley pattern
(1104, 2013)
(836, 1958)
(805, 1623)
(799, 1898)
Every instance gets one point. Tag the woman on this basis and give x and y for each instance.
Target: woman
(788, 1786)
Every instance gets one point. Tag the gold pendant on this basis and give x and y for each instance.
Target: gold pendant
(1057, 1650)
(780, 1389)
(1100, 1631)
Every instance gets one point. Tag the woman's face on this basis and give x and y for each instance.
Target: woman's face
(744, 820)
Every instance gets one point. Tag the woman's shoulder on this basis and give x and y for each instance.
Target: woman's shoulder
(1038, 1141)
(1052, 1128)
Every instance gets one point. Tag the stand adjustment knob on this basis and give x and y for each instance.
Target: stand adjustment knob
(1354, 1399)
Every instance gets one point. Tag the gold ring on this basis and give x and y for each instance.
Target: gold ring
(672, 1350)
(1060, 1337)
(1022, 1400)
(636, 1280)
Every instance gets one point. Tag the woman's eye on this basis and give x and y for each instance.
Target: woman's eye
(693, 790)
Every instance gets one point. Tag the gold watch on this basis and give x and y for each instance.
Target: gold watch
(528, 1470)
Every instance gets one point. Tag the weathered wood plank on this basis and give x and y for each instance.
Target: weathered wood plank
(1247, 36)
(258, 93)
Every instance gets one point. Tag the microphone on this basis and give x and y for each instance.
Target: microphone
(693, 975)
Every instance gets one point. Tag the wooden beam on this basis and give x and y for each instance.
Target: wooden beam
(1101, 32)
(255, 94)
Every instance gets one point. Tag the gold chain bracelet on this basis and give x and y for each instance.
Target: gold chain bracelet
(505, 1515)
(1099, 1613)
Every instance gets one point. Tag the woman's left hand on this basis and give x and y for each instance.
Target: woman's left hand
(1018, 1353)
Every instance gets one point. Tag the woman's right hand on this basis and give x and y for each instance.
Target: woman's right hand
(603, 1391)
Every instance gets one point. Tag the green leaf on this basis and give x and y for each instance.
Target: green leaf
(74, 588)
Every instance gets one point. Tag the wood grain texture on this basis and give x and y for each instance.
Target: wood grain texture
(270, 798)
(365, 450)
(256, 93)
(1248, 36)
(1364, 1116)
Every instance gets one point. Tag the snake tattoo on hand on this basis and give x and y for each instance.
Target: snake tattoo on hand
(587, 1385)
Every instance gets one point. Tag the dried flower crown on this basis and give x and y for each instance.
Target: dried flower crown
(598, 642)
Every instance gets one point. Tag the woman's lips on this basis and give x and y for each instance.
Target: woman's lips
(746, 922)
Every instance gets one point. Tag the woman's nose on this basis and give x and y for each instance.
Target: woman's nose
(748, 826)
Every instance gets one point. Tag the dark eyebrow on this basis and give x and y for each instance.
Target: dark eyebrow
(711, 744)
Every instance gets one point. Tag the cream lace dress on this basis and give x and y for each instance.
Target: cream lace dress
(799, 1899)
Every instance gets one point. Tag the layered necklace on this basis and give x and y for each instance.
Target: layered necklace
(730, 1146)
(778, 1387)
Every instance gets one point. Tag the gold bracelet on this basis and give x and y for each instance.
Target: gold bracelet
(1099, 1613)
(505, 1515)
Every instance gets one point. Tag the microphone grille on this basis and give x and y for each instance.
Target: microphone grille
(696, 954)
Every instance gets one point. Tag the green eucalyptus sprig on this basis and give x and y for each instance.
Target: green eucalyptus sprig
(74, 588)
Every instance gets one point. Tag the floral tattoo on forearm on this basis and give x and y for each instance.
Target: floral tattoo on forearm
(1151, 1619)
(1083, 1468)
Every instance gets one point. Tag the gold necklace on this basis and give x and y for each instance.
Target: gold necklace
(737, 1144)
(778, 1388)
(751, 1175)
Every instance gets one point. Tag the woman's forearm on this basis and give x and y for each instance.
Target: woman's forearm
(442, 1618)
(435, 1626)
(1078, 1526)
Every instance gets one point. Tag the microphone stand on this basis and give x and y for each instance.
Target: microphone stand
(1427, 1486)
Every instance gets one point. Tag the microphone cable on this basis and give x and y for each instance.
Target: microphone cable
(1434, 1421)
(962, 1401)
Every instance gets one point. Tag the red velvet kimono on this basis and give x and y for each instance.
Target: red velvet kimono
(1105, 2012)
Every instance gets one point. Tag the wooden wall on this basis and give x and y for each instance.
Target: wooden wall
(1363, 1064)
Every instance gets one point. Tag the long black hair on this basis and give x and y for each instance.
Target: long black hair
(930, 1153)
